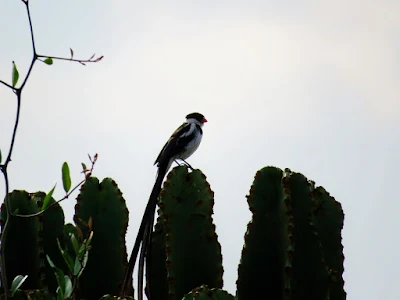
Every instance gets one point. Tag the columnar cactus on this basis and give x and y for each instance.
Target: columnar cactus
(204, 293)
(102, 209)
(293, 245)
(30, 239)
(193, 254)
(157, 270)
(29, 263)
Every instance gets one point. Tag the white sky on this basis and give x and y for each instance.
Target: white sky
(311, 85)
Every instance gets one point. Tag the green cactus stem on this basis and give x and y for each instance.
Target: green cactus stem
(101, 208)
(157, 270)
(267, 251)
(21, 247)
(293, 244)
(192, 249)
(328, 217)
(204, 293)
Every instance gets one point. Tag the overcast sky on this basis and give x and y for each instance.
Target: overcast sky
(309, 85)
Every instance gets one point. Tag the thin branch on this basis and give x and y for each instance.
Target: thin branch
(7, 198)
(8, 159)
(3, 239)
(87, 176)
(26, 2)
(81, 61)
(30, 25)
(54, 203)
(6, 84)
(29, 71)
(3, 167)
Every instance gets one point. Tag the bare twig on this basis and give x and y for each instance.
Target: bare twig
(8, 159)
(87, 176)
(26, 2)
(7, 85)
(81, 61)
(3, 168)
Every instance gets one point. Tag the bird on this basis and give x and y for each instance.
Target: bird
(183, 142)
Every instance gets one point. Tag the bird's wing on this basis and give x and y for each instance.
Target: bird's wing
(176, 143)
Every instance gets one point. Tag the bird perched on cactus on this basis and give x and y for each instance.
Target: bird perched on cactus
(182, 144)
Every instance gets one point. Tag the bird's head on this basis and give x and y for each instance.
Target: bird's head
(196, 118)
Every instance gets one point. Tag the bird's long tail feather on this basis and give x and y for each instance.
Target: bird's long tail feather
(148, 217)
(145, 254)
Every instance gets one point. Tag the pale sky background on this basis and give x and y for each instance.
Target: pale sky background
(309, 85)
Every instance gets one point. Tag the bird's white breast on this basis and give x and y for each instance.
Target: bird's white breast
(194, 144)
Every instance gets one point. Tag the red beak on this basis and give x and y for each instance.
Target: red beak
(204, 120)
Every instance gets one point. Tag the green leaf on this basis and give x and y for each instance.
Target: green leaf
(47, 198)
(15, 75)
(82, 264)
(60, 278)
(77, 267)
(68, 286)
(74, 243)
(66, 178)
(60, 295)
(66, 257)
(17, 282)
(50, 262)
(48, 61)
(82, 250)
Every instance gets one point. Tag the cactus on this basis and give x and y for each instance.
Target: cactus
(261, 266)
(291, 247)
(328, 217)
(110, 297)
(204, 293)
(40, 238)
(51, 229)
(157, 270)
(186, 205)
(27, 261)
(33, 294)
(100, 207)
(309, 274)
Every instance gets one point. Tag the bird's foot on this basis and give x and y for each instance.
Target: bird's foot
(184, 163)
(187, 165)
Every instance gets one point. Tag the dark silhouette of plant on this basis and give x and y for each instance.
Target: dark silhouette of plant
(47, 59)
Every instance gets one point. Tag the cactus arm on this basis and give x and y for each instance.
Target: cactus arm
(157, 270)
(310, 277)
(205, 293)
(293, 244)
(101, 209)
(193, 252)
(22, 245)
(265, 252)
(328, 218)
